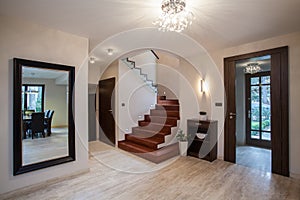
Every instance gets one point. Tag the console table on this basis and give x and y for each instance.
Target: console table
(202, 148)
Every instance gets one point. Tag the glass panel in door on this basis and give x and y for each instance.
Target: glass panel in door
(259, 109)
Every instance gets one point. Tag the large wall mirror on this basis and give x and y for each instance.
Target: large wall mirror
(44, 130)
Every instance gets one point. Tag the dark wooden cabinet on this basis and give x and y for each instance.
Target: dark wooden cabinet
(202, 148)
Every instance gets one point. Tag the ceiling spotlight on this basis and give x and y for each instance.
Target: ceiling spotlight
(92, 60)
(110, 52)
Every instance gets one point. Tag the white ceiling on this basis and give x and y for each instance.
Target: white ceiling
(263, 61)
(218, 24)
(32, 72)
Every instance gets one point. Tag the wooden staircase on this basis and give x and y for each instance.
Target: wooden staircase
(150, 139)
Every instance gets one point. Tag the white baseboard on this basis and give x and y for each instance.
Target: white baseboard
(295, 176)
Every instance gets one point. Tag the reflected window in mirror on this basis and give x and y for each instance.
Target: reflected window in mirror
(32, 98)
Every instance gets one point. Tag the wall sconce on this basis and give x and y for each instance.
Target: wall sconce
(202, 86)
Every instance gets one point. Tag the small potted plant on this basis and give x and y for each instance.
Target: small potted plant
(183, 142)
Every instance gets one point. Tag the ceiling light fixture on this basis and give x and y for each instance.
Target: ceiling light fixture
(252, 68)
(92, 60)
(174, 16)
(110, 52)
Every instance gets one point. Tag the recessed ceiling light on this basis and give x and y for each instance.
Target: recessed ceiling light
(110, 52)
(92, 60)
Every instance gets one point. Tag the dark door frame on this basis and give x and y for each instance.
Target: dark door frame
(279, 110)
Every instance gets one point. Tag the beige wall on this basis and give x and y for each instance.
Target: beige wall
(111, 71)
(29, 41)
(164, 91)
(94, 72)
(293, 41)
(182, 79)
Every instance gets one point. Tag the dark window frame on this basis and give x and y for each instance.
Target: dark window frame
(43, 95)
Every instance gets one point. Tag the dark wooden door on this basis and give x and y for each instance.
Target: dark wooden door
(279, 108)
(106, 110)
(230, 121)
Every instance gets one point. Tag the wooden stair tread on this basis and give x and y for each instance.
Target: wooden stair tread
(153, 139)
(155, 156)
(147, 134)
(160, 120)
(156, 123)
(150, 132)
(167, 107)
(167, 104)
(161, 124)
(168, 101)
(156, 112)
(156, 127)
(163, 117)
(164, 113)
(171, 105)
(170, 111)
(134, 146)
(151, 142)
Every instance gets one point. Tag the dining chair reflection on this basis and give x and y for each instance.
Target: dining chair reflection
(37, 124)
(48, 122)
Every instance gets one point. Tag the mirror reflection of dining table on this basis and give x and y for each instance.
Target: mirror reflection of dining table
(27, 119)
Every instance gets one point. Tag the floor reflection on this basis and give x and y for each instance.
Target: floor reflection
(42, 149)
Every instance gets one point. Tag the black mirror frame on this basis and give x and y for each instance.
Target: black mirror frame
(18, 168)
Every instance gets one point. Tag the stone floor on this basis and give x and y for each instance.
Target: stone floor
(254, 157)
(182, 178)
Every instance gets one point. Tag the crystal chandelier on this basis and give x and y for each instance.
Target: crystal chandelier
(252, 68)
(174, 16)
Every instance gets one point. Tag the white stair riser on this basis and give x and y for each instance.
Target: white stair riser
(170, 139)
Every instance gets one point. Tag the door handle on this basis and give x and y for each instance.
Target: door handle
(109, 110)
(231, 115)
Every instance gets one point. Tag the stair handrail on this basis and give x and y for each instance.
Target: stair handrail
(131, 64)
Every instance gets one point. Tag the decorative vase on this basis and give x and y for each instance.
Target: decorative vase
(203, 116)
(183, 147)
